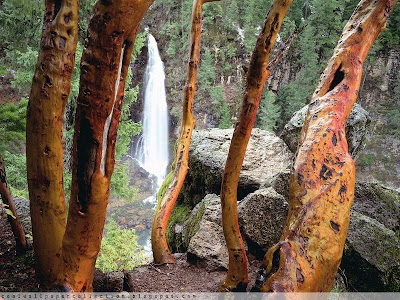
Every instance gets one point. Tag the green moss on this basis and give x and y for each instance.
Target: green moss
(392, 280)
(388, 194)
(164, 187)
(193, 226)
(367, 160)
(179, 215)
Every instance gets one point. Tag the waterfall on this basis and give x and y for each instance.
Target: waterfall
(152, 149)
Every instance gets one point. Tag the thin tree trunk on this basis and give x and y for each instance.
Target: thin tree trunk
(322, 181)
(105, 63)
(44, 151)
(15, 222)
(237, 277)
(173, 183)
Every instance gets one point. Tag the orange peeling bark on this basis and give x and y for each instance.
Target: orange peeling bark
(322, 182)
(237, 277)
(174, 181)
(105, 62)
(15, 222)
(44, 151)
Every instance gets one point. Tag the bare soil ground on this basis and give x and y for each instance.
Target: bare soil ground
(182, 277)
(17, 274)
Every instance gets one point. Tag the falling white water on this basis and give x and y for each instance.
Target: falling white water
(152, 150)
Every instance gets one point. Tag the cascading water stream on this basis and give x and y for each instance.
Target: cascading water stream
(152, 147)
(152, 150)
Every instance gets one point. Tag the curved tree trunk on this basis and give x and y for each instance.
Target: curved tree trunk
(105, 62)
(237, 277)
(15, 222)
(44, 151)
(173, 183)
(322, 182)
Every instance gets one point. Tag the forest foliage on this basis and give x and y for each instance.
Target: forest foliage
(21, 23)
(229, 33)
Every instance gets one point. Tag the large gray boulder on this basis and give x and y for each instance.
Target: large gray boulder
(371, 260)
(262, 215)
(356, 129)
(206, 245)
(266, 156)
(24, 214)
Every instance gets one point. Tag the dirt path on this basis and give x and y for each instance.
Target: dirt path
(182, 277)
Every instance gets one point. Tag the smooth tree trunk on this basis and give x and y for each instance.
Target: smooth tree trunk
(44, 150)
(104, 67)
(322, 181)
(237, 277)
(16, 226)
(173, 183)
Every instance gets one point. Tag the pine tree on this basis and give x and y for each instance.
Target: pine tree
(269, 112)
(207, 74)
(220, 107)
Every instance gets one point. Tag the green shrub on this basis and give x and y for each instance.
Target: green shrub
(13, 126)
(120, 182)
(119, 249)
(16, 174)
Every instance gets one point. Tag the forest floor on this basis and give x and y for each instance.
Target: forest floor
(17, 274)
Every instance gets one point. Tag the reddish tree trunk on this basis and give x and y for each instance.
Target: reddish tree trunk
(15, 223)
(105, 63)
(44, 150)
(257, 74)
(322, 182)
(173, 183)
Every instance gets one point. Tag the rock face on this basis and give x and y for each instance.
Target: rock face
(262, 215)
(207, 244)
(23, 211)
(371, 260)
(266, 156)
(356, 129)
(373, 240)
(374, 249)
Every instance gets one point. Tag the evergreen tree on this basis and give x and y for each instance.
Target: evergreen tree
(206, 74)
(268, 113)
(220, 108)
(231, 15)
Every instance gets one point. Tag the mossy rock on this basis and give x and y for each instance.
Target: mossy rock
(184, 223)
(371, 259)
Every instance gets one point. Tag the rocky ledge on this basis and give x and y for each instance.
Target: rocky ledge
(371, 260)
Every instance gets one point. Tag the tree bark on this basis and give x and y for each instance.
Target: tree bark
(105, 63)
(237, 277)
(322, 181)
(44, 151)
(173, 183)
(15, 222)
